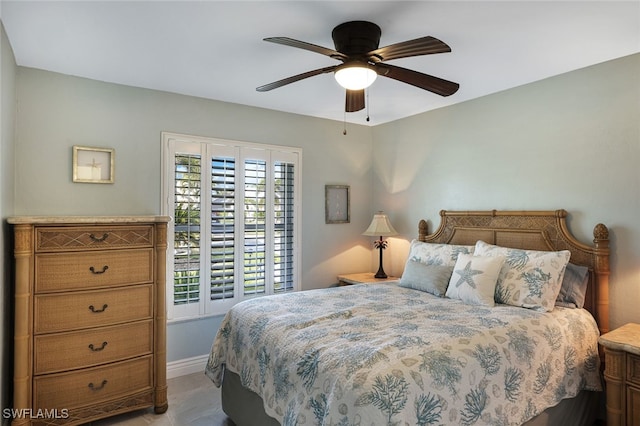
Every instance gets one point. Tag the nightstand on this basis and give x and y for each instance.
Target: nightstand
(622, 374)
(362, 278)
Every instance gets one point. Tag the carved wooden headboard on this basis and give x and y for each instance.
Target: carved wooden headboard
(533, 230)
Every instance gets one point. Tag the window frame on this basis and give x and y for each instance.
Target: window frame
(208, 148)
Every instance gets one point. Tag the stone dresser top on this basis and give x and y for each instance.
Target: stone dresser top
(625, 338)
(53, 220)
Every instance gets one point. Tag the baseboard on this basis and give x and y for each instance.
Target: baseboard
(185, 366)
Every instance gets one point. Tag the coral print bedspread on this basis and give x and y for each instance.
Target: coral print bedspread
(380, 354)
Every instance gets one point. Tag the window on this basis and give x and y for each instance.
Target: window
(235, 229)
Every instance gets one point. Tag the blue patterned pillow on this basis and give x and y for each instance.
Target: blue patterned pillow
(574, 287)
(474, 279)
(436, 254)
(528, 278)
(430, 278)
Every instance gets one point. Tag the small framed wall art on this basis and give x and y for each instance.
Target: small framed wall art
(93, 165)
(337, 209)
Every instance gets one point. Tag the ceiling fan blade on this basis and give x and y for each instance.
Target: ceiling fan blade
(419, 46)
(354, 100)
(295, 78)
(307, 46)
(424, 81)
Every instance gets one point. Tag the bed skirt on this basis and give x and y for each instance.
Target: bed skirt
(245, 407)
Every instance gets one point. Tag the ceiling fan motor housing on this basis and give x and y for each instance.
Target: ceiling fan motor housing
(356, 37)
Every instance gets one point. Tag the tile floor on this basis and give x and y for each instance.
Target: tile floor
(193, 401)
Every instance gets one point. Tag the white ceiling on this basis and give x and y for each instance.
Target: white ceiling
(214, 49)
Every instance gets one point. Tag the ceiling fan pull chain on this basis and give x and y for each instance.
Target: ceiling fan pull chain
(368, 105)
(344, 131)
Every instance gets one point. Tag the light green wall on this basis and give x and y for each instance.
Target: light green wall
(571, 142)
(7, 133)
(58, 111)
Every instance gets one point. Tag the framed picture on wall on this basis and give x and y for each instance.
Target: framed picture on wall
(336, 198)
(93, 165)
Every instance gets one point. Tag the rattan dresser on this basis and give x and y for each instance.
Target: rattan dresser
(90, 323)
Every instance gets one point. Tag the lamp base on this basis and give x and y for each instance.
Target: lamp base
(380, 245)
(380, 273)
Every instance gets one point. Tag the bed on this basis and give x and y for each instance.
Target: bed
(411, 353)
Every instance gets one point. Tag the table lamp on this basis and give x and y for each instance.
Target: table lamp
(380, 226)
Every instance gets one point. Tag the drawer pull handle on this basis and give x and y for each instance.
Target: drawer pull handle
(97, 388)
(93, 270)
(94, 349)
(98, 239)
(97, 311)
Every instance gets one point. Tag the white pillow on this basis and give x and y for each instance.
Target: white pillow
(474, 279)
(436, 254)
(529, 278)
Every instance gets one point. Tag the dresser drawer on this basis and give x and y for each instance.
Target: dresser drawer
(88, 348)
(93, 385)
(73, 271)
(92, 237)
(82, 309)
(633, 368)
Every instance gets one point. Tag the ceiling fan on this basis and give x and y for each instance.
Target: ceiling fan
(356, 46)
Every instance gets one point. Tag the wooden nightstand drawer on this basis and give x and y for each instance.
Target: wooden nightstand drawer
(82, 309)
(61, 272)
(93, 347)
(633, 405)
(92, 237)
(633, 369)
(93, 385)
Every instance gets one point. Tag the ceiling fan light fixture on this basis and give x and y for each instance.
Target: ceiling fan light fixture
(355, 76)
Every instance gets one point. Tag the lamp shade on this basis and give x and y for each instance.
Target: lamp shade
(380, 227)
(355, 76)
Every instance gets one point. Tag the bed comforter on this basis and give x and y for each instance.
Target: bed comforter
(376, 354)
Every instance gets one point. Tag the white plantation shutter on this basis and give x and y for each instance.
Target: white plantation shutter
(223, 217)
(186, 255)
(255, 227)
(235, 233)
(284, 221)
